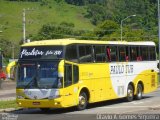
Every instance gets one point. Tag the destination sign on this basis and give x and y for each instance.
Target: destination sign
(45, 52)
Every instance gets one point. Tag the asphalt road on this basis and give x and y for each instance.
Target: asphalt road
(144, 109)
(8, 90)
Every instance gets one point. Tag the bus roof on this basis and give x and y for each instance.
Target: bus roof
(68, 41)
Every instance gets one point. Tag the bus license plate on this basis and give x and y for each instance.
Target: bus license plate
(36, 103)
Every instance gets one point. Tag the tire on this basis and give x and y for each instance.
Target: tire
(130, 93)
(83, 101)
(139, 93)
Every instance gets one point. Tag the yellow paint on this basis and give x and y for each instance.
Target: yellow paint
(9, 66)
(95, 77)
(68, 41)
(149, 80)
(97, 81)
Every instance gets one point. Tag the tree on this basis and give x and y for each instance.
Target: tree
(76, 2)
(96, 13)
(52, 31)
(5, 45)
(106, 28)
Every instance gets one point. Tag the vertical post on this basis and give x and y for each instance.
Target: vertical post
(13, 52)
(121, 30)
(24, 26)
(122, 24)
(159, 38)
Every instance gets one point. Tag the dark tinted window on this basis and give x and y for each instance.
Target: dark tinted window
(85, 53)
(71, 53)
(152, 53)
(99, 53)
(134, 53)
(127, 53)
(112, 53)
(144, 53)
(122, 53)
(68, 75)
(75, 74)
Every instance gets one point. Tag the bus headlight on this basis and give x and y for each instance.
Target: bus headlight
(55, 94)
(50, 97)
(20, 97)
(53, 97)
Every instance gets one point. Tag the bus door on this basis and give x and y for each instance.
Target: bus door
(71, 77)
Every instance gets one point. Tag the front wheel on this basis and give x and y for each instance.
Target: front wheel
(83, 101)
(130, 93)
(139, 93)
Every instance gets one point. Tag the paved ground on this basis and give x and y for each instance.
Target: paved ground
(8, 91)
(146, 109)
(113, 109)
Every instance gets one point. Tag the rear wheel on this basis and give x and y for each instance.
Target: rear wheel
(83, 101)
(139, 93)
(130, 93)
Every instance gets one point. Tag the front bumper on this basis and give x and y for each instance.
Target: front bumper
(44, 103)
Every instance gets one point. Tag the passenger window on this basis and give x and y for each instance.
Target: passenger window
(127, 57)
(100, 53)
(75, 74)
(134, 53)
(122, 53)
(85, 53)
(152, 53)
(112, 53)
(68, 75)
(144, 53)
(71, 53)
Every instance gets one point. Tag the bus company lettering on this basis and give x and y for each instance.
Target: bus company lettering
(34, 52)
(121, 69)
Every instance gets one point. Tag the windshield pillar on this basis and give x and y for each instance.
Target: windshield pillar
(61, 73)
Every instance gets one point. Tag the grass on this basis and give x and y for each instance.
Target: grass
(11, 17)
(8, 104)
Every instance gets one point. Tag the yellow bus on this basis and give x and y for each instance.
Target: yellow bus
(66, 72)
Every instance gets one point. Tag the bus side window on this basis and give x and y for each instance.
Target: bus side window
(108, 52)
(122, 53)
(144, 53)
(75, 74)
(152, 53)
(127, 57)
(134, 53)
(113, 53)
(99, 53)
(68, 75)
(85, 53)
(71, 53)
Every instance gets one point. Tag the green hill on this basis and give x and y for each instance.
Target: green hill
(38, 15)
(82, 19)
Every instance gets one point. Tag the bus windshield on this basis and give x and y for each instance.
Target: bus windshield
(41, 74)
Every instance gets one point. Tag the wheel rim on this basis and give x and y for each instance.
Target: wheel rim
(130, 93)
(139, 92)
(82, 101)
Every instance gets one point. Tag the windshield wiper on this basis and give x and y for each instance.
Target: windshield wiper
(32, 80)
